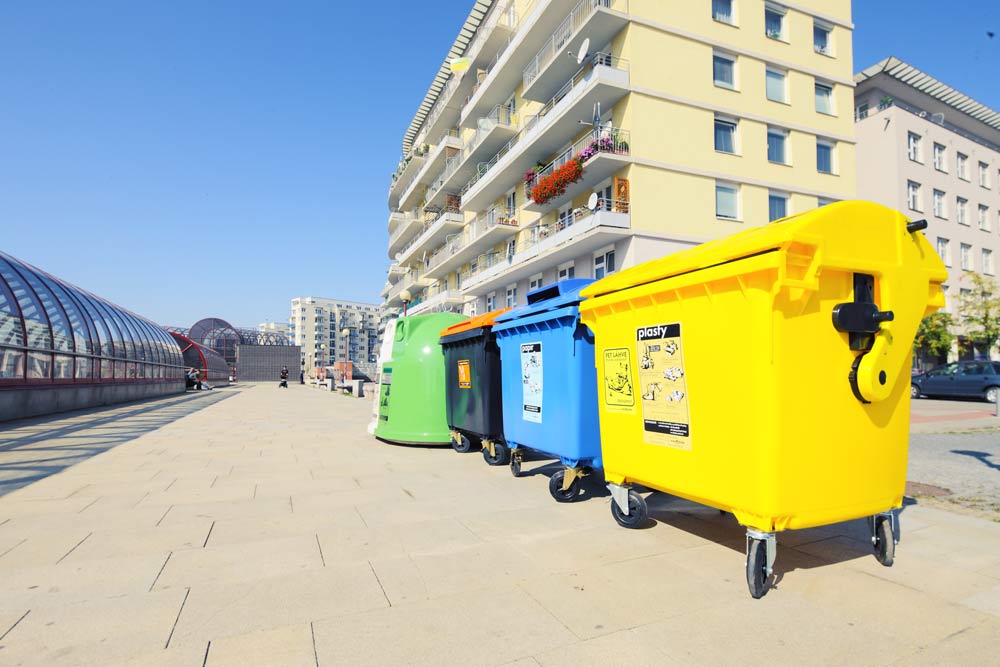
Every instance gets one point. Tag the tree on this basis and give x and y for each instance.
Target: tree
(979, 310)
(934, 336)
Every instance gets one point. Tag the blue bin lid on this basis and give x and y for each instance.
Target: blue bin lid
(550, 297)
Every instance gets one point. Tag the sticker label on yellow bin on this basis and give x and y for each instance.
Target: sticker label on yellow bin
(619, 396)
(663, 387)
(464, 375)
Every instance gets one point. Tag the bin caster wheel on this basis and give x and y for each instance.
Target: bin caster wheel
(501, 454)
(556, 484)
(885, 541)
(515, 466)
(757, 568)
(638, 511)
(462, 444)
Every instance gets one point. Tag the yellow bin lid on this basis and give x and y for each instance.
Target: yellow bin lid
(477, 322)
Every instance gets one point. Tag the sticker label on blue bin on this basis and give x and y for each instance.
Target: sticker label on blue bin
(663, 383)
(619, 396)
(531, 382)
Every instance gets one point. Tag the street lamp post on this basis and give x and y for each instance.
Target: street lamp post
(406, 298)
(346, 334)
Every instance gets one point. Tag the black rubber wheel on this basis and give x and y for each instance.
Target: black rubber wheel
(638, 511)
(502, 457)
(914, 391)
(515, 466)
(462, 445)
(557, 492)
(885, 543)
(757, 568)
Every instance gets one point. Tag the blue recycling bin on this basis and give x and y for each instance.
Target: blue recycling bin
(549, 384)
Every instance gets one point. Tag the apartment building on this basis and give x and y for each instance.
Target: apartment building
(932, 152)
(317, 324)
(275, 328)
(573, 138)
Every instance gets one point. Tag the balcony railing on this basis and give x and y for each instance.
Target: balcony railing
(563, 34)
(401, 228)
(610, 140)
(495, 217)
(500, 115)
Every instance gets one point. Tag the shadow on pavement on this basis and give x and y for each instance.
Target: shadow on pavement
(981, 456)
(32, 449)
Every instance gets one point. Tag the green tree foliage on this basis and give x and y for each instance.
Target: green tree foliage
(979, 310)
(934, 336)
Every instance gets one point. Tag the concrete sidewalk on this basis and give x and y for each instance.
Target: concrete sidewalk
(270, 529)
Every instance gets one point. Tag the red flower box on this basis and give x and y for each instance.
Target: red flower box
(556, 183)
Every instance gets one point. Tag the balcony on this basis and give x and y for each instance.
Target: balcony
(434, 234)
(593, 21)
(404, 233)
(602, 81)
(450, 146)
(550, 244)
(405, 170)
(506, 69)
(395, 218)
(601, 153)
(412, 280)
(480, 235)
(436, 299)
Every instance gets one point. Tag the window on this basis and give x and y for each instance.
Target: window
(776, 85)
(944, 250)
(913, 147)
(511, 296)
(962, 166)
(722, 11)
(511, 201)
(824, 98)
(965, 256)
(724, 70)
(566, 271)
(727, 201)
(604, 263)
(824, 155)
(725, 135)
(984, 218)
(823, 201)
(774, 22)
(491, 301)
(940, 158)
(534, 282)
(940, 210)
(776, 141)
(821, 38)
(913, 199)
(565, 217)
(777, 205)
(962, 210)
(861, 112)
(987, 257)
(984, 175)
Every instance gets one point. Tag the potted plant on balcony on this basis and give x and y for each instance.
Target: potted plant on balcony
(555, 184)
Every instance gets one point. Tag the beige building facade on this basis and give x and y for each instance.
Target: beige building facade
(934, 153)
(316, 325)
(687, 121)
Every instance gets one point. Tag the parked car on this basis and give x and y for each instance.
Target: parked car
(978, 379)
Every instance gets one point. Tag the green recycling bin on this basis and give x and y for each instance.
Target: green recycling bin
(411, 403)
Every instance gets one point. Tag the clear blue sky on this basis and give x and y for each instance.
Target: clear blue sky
(188, 159)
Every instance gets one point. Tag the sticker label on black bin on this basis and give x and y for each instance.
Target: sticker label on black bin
(531, 382)
(663, 386)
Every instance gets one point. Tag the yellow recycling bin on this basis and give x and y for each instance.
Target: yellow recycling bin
(767, 374)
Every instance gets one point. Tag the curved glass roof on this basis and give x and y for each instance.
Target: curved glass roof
(54, 332)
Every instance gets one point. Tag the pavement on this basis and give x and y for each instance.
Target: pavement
(264, 526)
(952, 415)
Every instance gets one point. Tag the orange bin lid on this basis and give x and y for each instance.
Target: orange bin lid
(477, 322)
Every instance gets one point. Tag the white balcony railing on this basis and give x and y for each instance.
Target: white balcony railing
(611, 140)
(498, 216)
(563, 34)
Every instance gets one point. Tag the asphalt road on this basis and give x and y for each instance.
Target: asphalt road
(965, 464)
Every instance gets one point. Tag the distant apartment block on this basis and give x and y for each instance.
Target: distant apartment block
(573, 138)
(317, 326)
(278, 328)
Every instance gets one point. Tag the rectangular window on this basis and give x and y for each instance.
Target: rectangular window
(774, 22)
(566, 271)
(534, 282)
(939, 205)
(776, 85)
(962, 166)
(824, 98)
(776, 141)
(913, 198)
(511, 296)
(604, 264)
(984, 175)
(984, 218)
(824, 155)
(724, 70)
(725, 135)
(823, 201)
(727, 201)
(722, 11)
(821, 38)
(965, 256)
(987, 257)
(491, 301)
(913, 147)
(861, 112)
(940, 158)
(777, 205)
(962, 211)
(944, 250)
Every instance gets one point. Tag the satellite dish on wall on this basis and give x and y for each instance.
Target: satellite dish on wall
(582, 55)
(592, 201)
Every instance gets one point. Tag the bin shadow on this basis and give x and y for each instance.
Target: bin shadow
(592, 485)
(803, 549)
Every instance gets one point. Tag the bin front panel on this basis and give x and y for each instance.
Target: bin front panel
(472, 384)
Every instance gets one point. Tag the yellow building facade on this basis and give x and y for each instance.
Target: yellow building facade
(687, 122)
